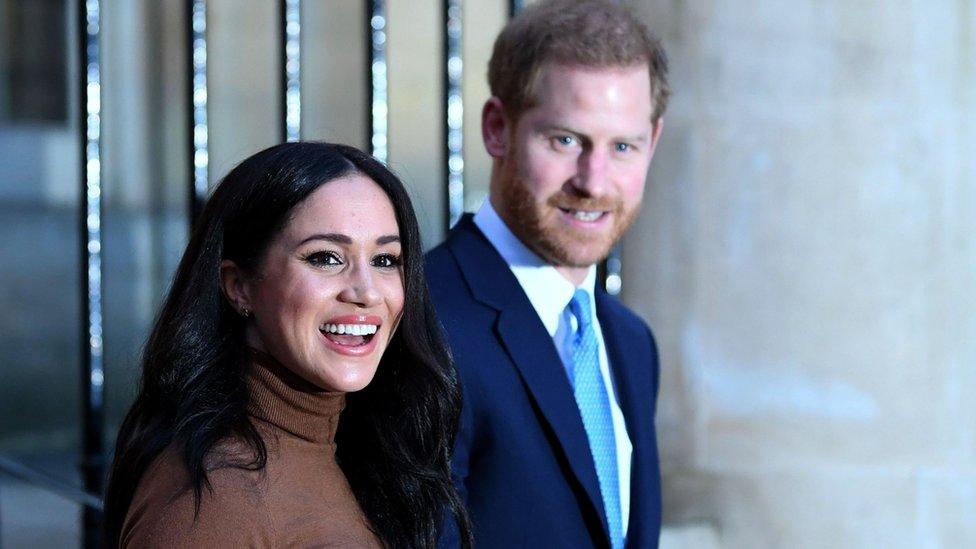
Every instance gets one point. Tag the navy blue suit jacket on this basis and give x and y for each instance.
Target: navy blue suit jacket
(522, 460)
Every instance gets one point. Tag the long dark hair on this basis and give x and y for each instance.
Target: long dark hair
(395, 436)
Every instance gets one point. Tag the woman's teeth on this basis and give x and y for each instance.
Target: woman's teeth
(351, 329)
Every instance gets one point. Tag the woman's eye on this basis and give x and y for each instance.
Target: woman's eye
(386, 261)
(323, 259)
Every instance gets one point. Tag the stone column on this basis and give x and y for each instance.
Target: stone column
(807, 259)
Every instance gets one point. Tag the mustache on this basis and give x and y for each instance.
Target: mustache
(570, 202)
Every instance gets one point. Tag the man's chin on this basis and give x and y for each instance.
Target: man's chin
(572, 254)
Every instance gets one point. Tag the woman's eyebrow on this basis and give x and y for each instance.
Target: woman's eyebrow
(338, 238)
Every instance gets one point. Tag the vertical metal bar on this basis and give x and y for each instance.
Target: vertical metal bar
(453, 110)
(612, 281)
(515, 6)
(378, 106)
(291, 63)
(197, 91)
(93, 375)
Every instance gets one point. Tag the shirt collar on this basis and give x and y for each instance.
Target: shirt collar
(547, 290)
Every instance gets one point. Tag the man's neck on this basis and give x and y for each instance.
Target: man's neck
(576, 275)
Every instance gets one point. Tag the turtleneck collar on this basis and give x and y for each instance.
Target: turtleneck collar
(285, 400)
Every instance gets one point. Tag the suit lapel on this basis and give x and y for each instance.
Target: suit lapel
(630, 372)
(625, 367)
(523, 335)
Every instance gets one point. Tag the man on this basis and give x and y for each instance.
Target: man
(557, 443)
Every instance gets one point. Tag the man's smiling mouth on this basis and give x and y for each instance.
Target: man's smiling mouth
(586, 216)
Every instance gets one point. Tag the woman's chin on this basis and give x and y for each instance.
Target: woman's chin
(351, 378)
(352, 386)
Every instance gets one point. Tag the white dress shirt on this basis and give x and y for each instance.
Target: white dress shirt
(550, 293)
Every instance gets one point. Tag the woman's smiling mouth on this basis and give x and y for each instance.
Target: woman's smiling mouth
(352, 335)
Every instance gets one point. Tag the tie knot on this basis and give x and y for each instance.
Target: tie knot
(580, 306)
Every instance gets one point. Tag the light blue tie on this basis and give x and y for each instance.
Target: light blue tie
(594, 405)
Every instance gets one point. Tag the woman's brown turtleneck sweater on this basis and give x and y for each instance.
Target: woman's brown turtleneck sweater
(300, 499)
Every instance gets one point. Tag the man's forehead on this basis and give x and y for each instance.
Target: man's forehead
(572, 92)
(557, 80)
(559, 68)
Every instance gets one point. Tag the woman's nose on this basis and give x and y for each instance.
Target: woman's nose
(359, 288)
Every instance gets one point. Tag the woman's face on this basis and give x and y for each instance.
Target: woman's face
(329, 291)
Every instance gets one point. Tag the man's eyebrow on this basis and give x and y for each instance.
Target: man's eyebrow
(559, 128)
(639, 138)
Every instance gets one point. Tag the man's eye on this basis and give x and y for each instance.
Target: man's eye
(564, 141)
(624, 147)
(386, 261)
(323, 259)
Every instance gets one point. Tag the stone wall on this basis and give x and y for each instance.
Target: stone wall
(807, 258)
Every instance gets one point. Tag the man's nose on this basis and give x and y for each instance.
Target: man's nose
(592, 179)
(360, 289)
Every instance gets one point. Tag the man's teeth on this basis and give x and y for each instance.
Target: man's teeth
(351, 329)
(586, 216)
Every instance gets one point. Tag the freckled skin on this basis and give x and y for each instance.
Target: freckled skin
(585, 145)
(300, 286)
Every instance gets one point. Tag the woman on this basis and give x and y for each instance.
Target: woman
(301, 295)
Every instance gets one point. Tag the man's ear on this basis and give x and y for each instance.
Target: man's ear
(494, 127)
(234, 286)
(656, 134)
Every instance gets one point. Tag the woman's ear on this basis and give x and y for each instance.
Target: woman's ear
(234, 286)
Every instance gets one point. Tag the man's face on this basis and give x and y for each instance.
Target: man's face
(572, 171)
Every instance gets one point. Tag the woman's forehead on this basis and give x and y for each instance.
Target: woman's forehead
(353, 205)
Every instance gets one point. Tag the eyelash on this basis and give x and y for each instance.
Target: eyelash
(322, 259)
(559, 141)
(330, 259)
(394, 261)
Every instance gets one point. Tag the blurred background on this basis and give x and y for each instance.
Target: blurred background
(806, 254)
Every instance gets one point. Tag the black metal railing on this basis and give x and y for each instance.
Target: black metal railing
(198, 144)
(92, 342)
(89, 89)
